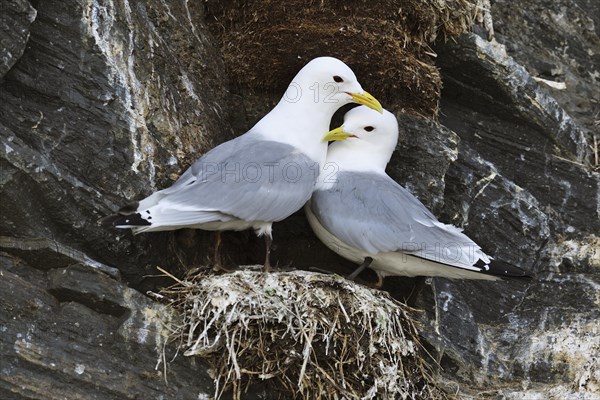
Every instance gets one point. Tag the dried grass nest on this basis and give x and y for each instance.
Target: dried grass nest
(387, 43)
(303, 335)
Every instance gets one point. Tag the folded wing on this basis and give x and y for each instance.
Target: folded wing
(373, 213)
(247, 179)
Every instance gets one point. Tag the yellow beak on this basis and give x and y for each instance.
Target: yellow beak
(337, 134)
(366, 99)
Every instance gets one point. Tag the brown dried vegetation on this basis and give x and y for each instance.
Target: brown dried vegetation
(266, 42)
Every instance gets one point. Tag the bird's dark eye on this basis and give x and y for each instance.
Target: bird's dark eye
(369, 128)
(338, 79)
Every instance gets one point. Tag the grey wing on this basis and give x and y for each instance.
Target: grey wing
(373, 213)
(208, 162)
(365, 211)
(250, 179)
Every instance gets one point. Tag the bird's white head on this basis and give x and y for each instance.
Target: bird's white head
(329, 84)
(365, 141)
(304, 113)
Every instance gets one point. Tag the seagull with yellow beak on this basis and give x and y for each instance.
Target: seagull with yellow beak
(262, 176)
(362, 214)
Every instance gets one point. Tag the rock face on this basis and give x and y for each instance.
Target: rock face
(14, 27)
(566, 37)
(73, 332)
(524, 186)
(108, 102)
(102, 102)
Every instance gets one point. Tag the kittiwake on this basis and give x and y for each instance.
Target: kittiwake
(362, 214)
(262, 176)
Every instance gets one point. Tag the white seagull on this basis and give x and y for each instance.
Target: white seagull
(362, 214)
(262, 176)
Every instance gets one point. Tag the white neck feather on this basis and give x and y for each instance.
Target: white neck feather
(301, 124)
(354, 156)
(358, 155)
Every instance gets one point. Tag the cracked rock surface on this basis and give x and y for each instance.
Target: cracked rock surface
(103, 102)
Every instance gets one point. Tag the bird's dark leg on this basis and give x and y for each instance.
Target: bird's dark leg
(268, 240)
(217, 261)
(361, 268)
(420, 283)
(173, 246)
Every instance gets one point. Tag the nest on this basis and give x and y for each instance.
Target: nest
(265, 42)
(301, 334)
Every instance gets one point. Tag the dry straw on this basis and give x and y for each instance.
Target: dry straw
(304, 335)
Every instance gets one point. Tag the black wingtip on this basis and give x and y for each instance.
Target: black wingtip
(506, 270)
(126, 216)
(124, 220)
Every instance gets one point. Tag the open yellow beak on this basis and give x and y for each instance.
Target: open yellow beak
(337, 134)
(366, 99)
